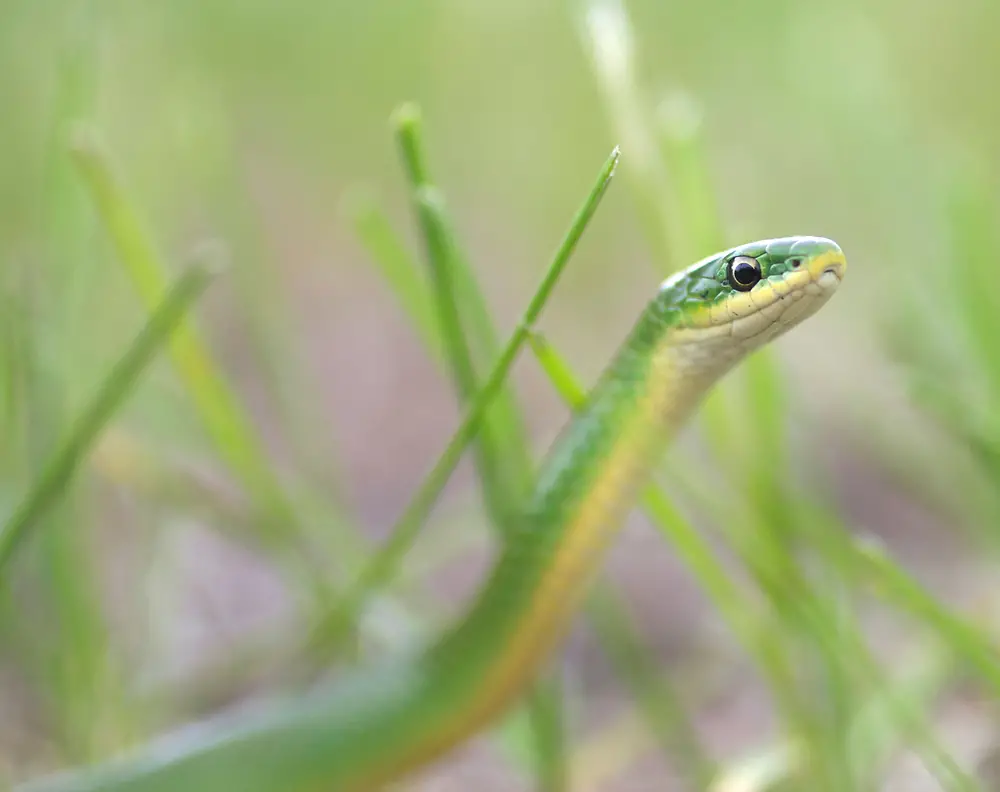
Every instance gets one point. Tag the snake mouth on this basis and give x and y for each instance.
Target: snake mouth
(837, 270)
(828, 263)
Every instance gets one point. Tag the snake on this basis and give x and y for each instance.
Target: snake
(376, 726)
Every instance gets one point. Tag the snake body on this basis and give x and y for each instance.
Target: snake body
(372, 728)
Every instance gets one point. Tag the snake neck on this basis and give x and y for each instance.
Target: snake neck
(585, 489)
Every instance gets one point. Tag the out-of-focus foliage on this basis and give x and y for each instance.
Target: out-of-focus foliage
(179, 568)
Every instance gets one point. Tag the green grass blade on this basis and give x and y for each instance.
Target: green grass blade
(834, 644)
(220, 410)
(765, 398)
(548, 731)
(975, 239)
(845, 650)
(398, 268)
(501, 496)
(752, 453)
(501, 451)
(65, 461)
(382, 567)
(451, 272)
(898, 587)
(609, 40)
(867, 562)
(71, 658)
(503, 459)
(773, 662)
(872, 735)
(904, 716)
(659, 702)
(699, 221)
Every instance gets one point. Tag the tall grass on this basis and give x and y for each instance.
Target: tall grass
(782, 565)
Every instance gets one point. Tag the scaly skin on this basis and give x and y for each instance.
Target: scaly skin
(373, 728)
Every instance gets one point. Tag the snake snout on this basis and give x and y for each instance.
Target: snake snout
(828, 266)
(836, 269)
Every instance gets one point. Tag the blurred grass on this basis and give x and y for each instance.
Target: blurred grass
(500, 466)
(384, 565)
(872, 125)
(63, 463)
(219, 409)
(501, 452)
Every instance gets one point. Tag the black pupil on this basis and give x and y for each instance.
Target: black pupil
(745, 273)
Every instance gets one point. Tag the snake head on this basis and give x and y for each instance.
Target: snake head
(805, 259)
(753, 292)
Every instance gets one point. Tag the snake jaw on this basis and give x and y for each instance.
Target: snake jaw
(800, 275)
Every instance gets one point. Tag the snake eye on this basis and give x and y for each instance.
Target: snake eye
(744, 273)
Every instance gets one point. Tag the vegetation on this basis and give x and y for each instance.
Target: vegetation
(806, 602)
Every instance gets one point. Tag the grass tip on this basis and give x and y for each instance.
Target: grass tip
(610, 36)
(616, 155)
(211, 255)
(406, 118)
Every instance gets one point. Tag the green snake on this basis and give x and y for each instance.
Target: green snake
(372, 728)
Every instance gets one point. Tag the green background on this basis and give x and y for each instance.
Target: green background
(261, 127)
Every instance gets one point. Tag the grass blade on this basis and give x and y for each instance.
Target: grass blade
(73, 657)
(399, 270)
(898, 587)
(973, 224)
(811, 618)
(382, 567)
(221, 412)
(64, 462)
(463, 330)
(699, 227)
(607, 34)
(654, 695)
(501, 449)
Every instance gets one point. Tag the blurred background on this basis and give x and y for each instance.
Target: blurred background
(153, 592)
